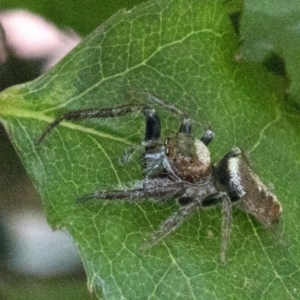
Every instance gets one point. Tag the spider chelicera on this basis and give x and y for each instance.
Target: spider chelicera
(180, 167)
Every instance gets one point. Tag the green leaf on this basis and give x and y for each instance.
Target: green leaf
(268, 27)
(182, 52)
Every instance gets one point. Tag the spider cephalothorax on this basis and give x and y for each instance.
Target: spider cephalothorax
(189, 158)
(180, 167)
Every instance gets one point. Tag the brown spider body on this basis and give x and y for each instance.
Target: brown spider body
(189, 158)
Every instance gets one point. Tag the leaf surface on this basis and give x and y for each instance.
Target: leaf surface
(182, 52)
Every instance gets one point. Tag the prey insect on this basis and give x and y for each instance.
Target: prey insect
(180, 167)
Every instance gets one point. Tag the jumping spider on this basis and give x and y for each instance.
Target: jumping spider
(180, 167)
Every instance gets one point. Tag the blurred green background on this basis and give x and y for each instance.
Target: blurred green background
(82, 16)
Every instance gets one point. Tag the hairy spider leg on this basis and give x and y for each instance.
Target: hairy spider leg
(173, 222)
(224, 198)
(156, 192)
(92, 113)
(226, 226)
(171, 107)
(164, 104)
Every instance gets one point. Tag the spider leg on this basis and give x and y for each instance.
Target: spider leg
(226, 226)
(130, 152)
(224, 198)
(91, 113)
(166, 191)
(164, 104)
(172, 223)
